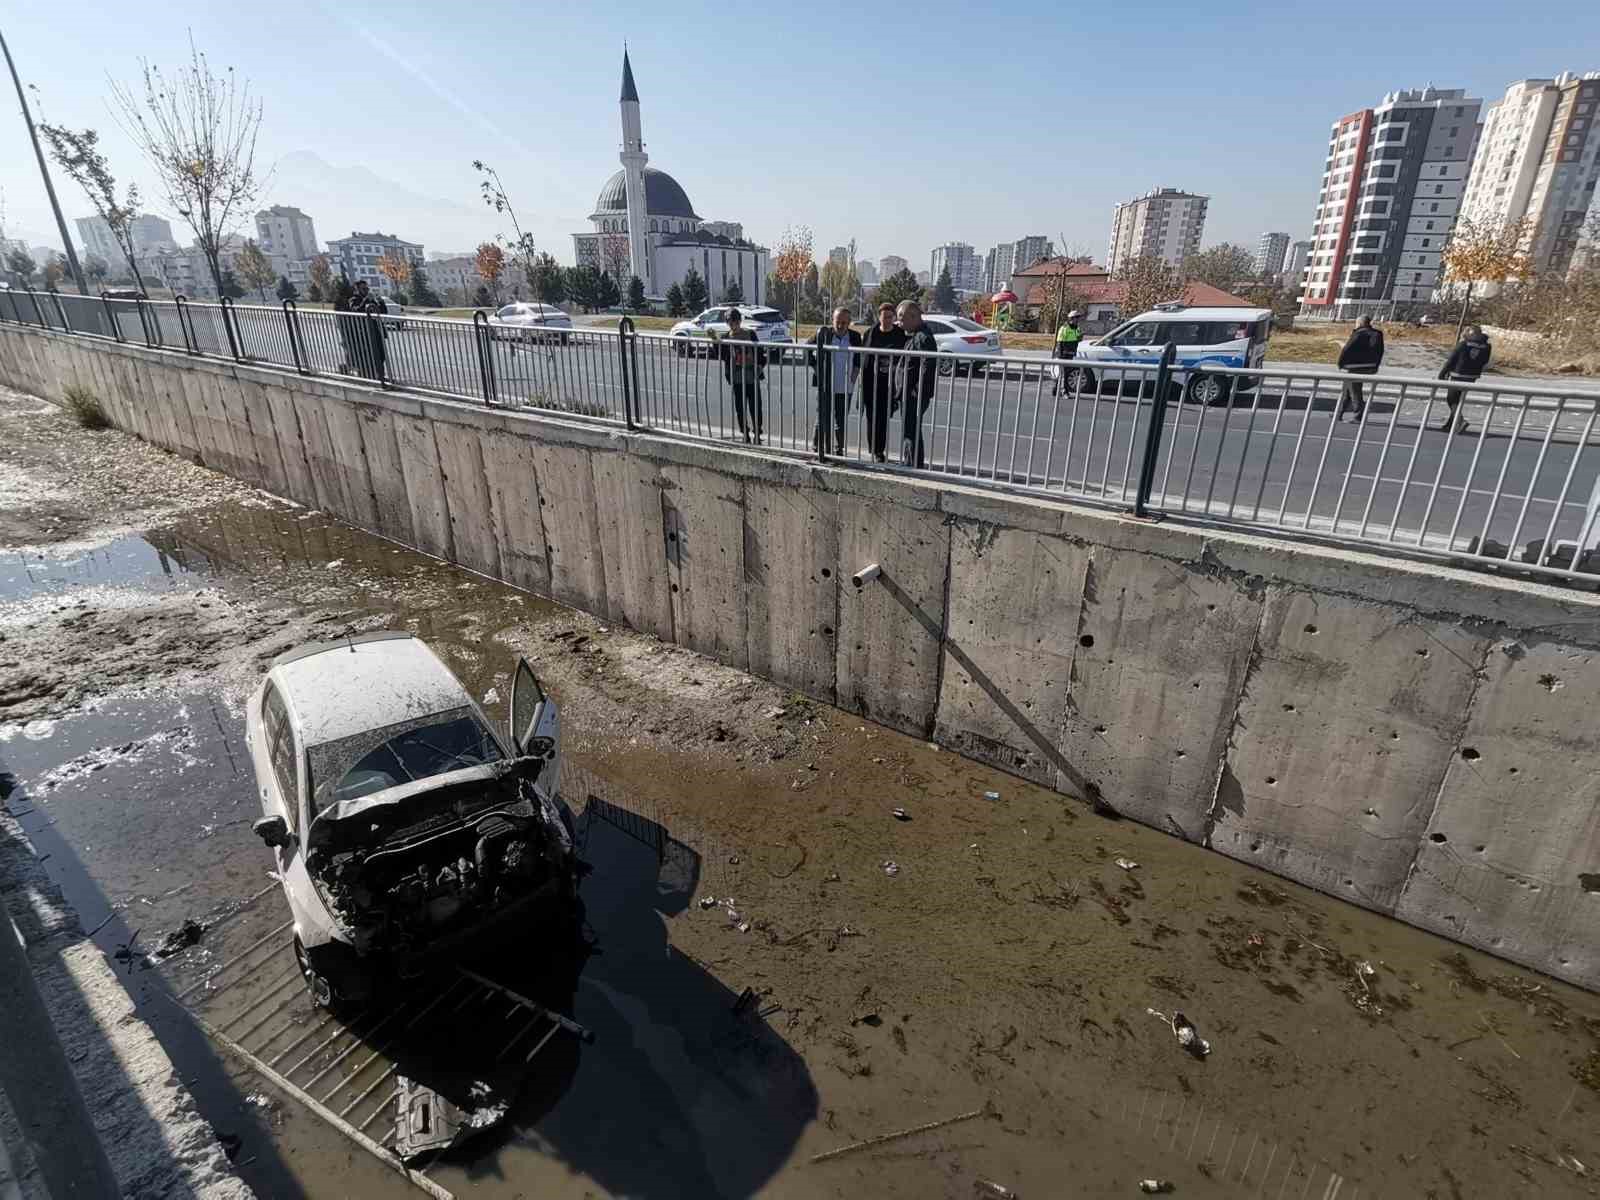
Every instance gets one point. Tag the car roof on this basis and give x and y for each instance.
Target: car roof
(1204, 314)
(336, 689)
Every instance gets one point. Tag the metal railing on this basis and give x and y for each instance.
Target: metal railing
(1518, 490)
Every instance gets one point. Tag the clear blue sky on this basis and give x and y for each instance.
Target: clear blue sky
(903, 125)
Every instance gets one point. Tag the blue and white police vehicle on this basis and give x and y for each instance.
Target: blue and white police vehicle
(1205, 337)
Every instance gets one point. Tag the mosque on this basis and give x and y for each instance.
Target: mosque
(644, 225)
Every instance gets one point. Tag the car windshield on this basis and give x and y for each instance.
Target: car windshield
(420, 748)
(765, 316)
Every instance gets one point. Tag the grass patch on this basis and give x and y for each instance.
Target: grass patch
(84, 407)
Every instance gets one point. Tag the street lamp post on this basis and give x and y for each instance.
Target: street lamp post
(50, 189)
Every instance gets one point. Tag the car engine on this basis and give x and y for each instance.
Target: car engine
(444, 873)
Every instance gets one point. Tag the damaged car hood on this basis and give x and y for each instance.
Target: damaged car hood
(526, 767)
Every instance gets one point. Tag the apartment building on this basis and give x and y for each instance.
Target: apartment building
(1271, 250)
(358, 255)
(840, 255)
(1391, 188)
(1164, 222)
(1026, 251)
(1294, 266)
(150, 235)
(1538, 159)
(891, 264)
(288, 237)
(867, 273)
(966, 269)
(998, 264)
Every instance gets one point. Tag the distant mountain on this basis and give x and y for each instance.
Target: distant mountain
(345, 198)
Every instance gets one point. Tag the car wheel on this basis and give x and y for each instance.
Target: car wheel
(318, 985)
(1077, 379)
(681, 346)
(1205, 389)
(566, 338)
(947, 368)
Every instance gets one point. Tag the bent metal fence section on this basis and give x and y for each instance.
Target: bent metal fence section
(1516, 487)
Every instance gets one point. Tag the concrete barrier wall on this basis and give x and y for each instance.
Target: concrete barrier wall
(1417, 740)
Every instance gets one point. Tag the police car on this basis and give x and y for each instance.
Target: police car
(1222, 337)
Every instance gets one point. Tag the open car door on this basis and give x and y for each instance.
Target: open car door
(536, 725)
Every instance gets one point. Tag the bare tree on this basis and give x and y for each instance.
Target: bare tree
(1150, 280)
(494, 195)
(198, 130)
(77, 152)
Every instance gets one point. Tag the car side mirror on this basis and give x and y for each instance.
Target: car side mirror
(273, 830)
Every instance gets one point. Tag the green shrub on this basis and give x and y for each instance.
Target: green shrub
(85, 408)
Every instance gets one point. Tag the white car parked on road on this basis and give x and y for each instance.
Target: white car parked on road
(768, 324)
(1222, 337)
(404, 825)
(527, 321)
(958, 335)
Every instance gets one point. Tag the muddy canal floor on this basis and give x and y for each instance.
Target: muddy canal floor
(1006, 962)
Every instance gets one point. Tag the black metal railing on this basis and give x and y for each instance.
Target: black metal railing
(1513, 483)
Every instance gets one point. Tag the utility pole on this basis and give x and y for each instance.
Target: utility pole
(44, 171)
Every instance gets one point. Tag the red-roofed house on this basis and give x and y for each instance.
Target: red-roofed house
(1101, 299)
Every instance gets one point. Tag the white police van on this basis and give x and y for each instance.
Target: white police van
(1223, 337)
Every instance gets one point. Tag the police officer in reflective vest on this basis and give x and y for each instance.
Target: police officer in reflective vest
(1067, 339)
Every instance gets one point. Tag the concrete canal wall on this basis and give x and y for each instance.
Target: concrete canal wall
(1417, 740)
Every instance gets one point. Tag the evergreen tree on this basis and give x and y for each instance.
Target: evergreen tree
(944, 292)
(733, 293)
(548, 280)
(902, 285)
(675, 305)
(343, 289)
(230, 284)
(287, 290)
(609, 293)
(422, 293)
(583, 287)
(695, 296)
(636, 293)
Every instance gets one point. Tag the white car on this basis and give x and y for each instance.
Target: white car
(528, 321)
(958, 335)
(1222, 337)
(768, 324)
(404, 826)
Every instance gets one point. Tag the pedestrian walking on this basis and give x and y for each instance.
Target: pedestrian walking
(1067, 339)
(879, 394)
(1361, 355)
(919, 373)
(1465, 364)
(834, 369)
(743, 367)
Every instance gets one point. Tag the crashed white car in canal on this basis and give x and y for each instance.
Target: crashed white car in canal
(406, 827)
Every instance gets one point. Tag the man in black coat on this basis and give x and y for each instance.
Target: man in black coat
(878, 395)
(1362, 355)
(1465, 364)
(835, 367)
(920, 372)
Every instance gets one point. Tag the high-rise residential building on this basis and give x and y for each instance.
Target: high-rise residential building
(1165, 222)
(966, 269)
(150, 235)
(997, 266)
(1026, 251)
(289, 240)
(1391, 188)
(924, 278)
(867, 273)
(1270, 252)
(891, 264)
(1295, 265)
(1538, 159)
(358, 255)
(840, 255)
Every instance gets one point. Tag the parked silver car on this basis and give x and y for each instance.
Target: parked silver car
(527, 321)
(404, 825)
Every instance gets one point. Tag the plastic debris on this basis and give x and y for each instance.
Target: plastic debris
(708, 901)
(991, 795)
(901, 814)
(1127, 864)
(988, 1187)
(1183, 1029)
(1155, 1187)
(774, 713)
(744, 926)
(831, 877)
(181, 938)
(890, 867)
(1571, 1163)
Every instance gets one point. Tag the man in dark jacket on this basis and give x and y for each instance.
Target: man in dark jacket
(1362, 355)
(367, 332)
(878, 395)
(1465, 364)
(835, 366)
(743, 365)
(920, 374)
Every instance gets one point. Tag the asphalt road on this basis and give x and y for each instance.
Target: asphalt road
(1276, 456)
